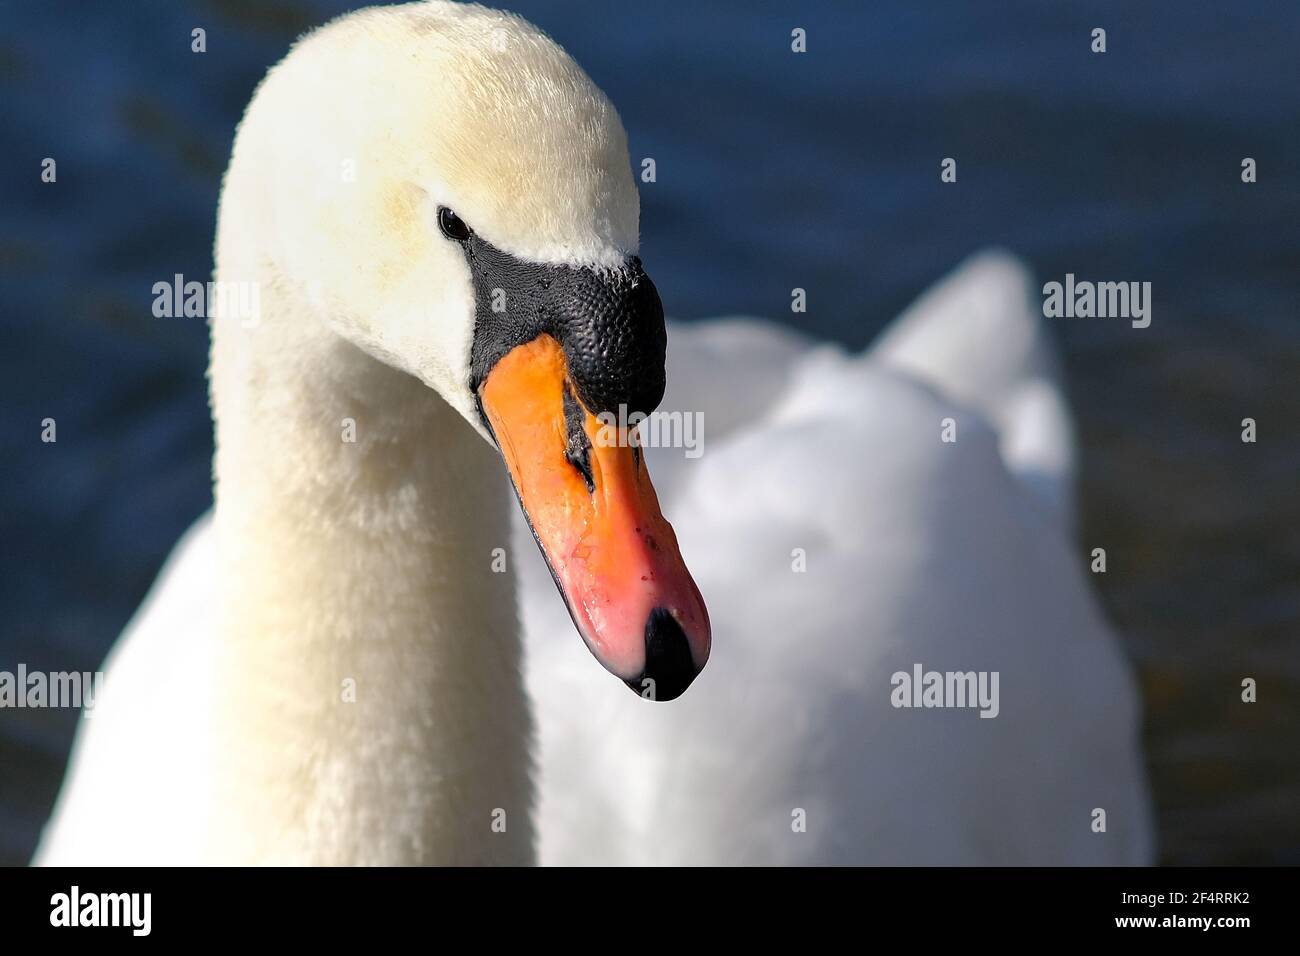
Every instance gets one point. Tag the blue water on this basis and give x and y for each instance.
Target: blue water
(775, 170)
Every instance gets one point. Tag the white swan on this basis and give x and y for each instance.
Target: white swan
(329, 669)
(955, 556)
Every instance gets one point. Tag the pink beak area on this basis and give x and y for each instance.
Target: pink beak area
(588, 498)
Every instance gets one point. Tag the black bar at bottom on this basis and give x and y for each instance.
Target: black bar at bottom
(655, 905)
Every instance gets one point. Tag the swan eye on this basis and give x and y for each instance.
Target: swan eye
(452, 226)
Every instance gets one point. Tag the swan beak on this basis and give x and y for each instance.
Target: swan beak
(588, 498)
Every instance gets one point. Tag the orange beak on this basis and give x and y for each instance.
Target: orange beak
(586, 494)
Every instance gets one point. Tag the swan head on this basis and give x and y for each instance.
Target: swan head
(452, 194)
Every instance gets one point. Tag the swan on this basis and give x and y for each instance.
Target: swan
(436, 207)
(840, 541)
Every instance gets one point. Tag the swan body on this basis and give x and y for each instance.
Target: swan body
(329, 669)
(955, 556)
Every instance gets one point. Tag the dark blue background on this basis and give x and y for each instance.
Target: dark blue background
(774, 171)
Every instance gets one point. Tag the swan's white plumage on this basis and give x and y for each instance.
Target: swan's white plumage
(917, 551)
(979, 339)
(957, 556)
(138, 785)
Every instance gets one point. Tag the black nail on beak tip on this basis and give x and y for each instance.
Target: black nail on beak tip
(669, 667)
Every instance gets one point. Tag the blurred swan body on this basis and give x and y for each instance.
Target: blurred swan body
(326, 671)
(957, 556)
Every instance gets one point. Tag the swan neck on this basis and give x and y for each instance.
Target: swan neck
(370, 706)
